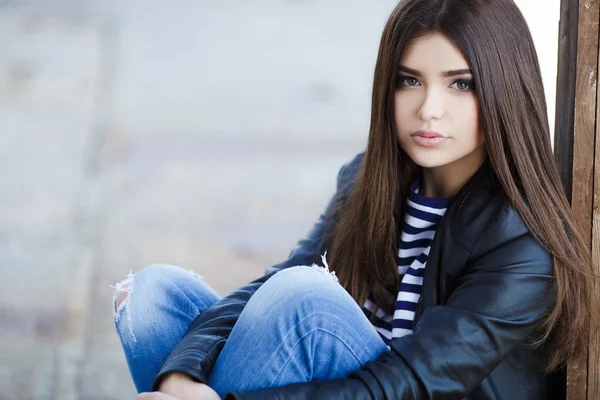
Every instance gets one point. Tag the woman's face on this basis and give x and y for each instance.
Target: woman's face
(427, 98)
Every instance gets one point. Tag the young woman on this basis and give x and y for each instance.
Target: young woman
(452, 265)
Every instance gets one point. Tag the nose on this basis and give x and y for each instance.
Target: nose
(433, 105)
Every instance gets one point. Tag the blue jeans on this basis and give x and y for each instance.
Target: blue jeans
(299, 326)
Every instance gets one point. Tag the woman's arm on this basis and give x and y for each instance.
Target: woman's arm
(197, 352)
(497, 303)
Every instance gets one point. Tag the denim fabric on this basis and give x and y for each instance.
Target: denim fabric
(299, 326)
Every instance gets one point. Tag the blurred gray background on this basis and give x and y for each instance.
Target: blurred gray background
(203, 134)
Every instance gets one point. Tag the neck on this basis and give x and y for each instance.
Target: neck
(445, 181)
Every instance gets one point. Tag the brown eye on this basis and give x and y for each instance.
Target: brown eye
(406, 81)
(464, 85)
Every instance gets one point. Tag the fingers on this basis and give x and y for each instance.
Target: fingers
(155, 396)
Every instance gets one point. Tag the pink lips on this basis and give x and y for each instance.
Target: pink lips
(428, 138)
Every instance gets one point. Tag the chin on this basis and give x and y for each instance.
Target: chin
(429, 163)
(429, 160)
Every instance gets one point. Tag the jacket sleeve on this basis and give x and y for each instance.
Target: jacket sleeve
(506, 289)
(196, 353)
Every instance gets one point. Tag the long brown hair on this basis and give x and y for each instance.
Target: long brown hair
(495, 40)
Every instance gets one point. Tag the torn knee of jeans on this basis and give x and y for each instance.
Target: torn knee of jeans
(121, 296)
(195, 275)
(123, 290)
(325, 268)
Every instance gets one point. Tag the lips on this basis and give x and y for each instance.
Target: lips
(428, 138)
(427, 134)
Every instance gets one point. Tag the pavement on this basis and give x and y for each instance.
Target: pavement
(201, 134)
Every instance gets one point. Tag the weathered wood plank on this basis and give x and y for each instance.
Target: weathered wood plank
(594, 347)
(583, 150)
(585, 115)
(565, 91)
(574, 141)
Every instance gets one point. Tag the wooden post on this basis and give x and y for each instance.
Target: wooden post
(577, 150)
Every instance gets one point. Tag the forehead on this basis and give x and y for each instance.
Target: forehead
(432, 54)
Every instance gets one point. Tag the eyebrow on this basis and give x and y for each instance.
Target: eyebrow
(445, 74)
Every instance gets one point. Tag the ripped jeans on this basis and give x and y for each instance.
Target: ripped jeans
(299, 326)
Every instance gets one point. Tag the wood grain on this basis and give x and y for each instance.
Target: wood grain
(594, 346)
(565, 92)
(585, 115)
(583, 152)
(574, 143)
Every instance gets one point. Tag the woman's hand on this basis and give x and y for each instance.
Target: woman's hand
(205, 393)
(155, 396)
(178, 386)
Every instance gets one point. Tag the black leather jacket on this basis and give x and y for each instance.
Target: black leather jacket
(486, 286)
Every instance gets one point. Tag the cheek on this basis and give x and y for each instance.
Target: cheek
(468, 122)
(402, 113)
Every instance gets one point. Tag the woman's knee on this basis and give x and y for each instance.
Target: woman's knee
(158, 283)
(304, 278)
(300, 289)
(151, 277)
(152, 311)
(295, 310)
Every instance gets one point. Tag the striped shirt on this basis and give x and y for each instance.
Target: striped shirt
(420, 222)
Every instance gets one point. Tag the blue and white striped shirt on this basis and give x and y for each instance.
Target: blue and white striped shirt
(420, 222)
